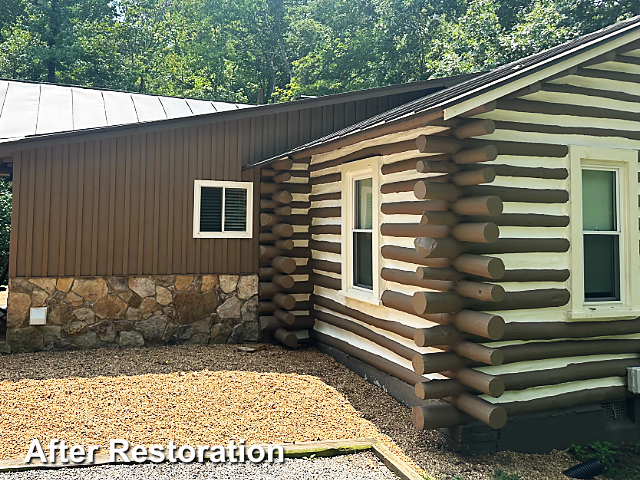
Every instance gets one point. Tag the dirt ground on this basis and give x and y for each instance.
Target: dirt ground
(427, 449)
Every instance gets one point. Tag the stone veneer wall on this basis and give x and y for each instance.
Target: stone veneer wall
(99, 312)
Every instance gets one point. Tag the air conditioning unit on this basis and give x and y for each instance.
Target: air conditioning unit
(633, 379)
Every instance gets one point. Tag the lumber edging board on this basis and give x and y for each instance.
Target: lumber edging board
(324, 448)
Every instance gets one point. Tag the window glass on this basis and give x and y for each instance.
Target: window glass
(599, 200)
(601, 268)
(211, 209)
(363, 234)
(235, 210)
(601, 236)
(364, 204)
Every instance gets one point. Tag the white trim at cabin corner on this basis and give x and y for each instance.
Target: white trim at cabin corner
(626, 163)
(482, 99)
(349, 172)
(197, 189)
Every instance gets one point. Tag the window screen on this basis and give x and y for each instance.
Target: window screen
(363, 233)
(601, 235)
(223, 209)
(211, 209)
(235, 210)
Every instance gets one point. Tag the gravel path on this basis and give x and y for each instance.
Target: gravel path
(203, 407)
(194, 408)
(361, 466)
(392, 419)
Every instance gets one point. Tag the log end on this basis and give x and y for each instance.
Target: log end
(285, 244)
(285, 281)
(422, 166)
(284, 210)
(497, 418)
(418, 417)
(420, 190)
(264, 323)
(420, 337)
(283, 164)
(420, 393)
(491, 152)
(286, 338)
(282, 177)
(282, 229)
(419, 303)
(489, 126)
(289, 302)
(488, 175)
(285, 264)
(421, 143)
(265, 219)
(418, 364)
(491, 232)
(286, 317)
(496, 387)
(496, 327)
(497, 293)
(282, 196)
(494, 205)
(495, 268)
(496, 357)
(425, 246)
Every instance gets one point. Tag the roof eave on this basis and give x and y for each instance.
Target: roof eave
(545, 69)
(61, 138)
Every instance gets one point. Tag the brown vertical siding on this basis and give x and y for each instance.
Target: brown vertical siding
(124, 205)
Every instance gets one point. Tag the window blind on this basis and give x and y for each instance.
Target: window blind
(235, 210)
(211, 209)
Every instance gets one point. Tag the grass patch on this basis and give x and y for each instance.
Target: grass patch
(502, 475)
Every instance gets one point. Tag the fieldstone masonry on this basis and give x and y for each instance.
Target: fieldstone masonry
(96, 312)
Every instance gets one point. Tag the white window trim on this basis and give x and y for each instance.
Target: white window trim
(351, 171)
(626, 164)
(197, 190)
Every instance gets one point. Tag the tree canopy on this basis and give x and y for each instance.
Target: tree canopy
(228, 49)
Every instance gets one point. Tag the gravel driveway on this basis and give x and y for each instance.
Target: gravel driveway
(391, 419)
(361, 466)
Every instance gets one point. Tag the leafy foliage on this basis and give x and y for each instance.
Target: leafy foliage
(606, 452)
(502, 475)
(228, 49)
(5, 221)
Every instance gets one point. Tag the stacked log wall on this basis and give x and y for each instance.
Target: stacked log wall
(285, 284)
(539, 360)
(287, 318)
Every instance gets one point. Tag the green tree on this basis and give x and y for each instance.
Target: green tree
(5, 220)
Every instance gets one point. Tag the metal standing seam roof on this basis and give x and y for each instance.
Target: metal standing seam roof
(472, 87)
(28, 109)
(162, 111)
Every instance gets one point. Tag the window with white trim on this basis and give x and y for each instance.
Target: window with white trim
(601, 234)
(605, 263)
(360, 230)
(222, 209)
(362, 233)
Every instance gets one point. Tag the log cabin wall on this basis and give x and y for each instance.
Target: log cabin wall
(286, 276)
(124, 205)
(475, 254)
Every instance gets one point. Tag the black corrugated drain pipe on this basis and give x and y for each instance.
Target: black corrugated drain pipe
(585, 470)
